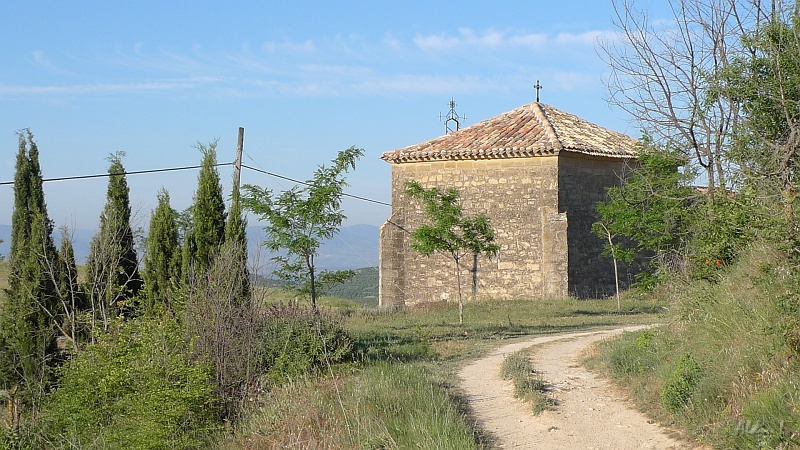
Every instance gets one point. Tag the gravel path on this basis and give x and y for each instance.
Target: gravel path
(589, 414)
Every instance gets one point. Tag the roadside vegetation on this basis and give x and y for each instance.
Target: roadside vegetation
(400, 388)
(724, 365)
(529, 386)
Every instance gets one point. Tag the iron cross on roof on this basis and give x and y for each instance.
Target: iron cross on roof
(537, 86)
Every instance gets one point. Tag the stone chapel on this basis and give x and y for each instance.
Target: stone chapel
(537, 173)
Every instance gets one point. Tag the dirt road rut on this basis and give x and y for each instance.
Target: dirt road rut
(589, 414)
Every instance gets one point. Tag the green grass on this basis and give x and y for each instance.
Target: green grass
(381, 406)
(529, 386)
(402, 391)
(723, 367)
(385, 334)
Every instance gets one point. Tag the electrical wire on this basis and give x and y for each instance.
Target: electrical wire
(102, 175)
(307, 184)
(173, 169)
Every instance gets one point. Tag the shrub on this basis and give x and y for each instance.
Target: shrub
(134, 388)
(298, 341)
(681, 383)
(633, 354)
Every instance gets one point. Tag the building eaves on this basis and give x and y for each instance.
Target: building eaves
(529, 131)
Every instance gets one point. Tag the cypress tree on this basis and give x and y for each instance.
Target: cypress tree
(208, 215)
(72, 299)
(162, 264)
(236, 237)
(113, 265)
(27, 332)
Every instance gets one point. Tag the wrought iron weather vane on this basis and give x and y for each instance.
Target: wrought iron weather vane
(453, 117)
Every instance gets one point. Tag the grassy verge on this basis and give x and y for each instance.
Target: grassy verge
(529, 386)
(722, 368)
(382, 406)
(401, 390)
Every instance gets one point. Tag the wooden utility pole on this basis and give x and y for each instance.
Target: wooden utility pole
(237, 165)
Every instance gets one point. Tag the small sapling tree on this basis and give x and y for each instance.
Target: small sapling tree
(298, 220)
(451, 233)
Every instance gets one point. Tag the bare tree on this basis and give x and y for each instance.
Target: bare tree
(664, 74)
(225, 326)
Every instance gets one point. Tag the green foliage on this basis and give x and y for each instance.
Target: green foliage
(135, 388)
(298, 342)
(113, 266)
(207, 230)
(652, 211)
(760, 81)
(450, 233)
(680, 385)
(723, 365)
(27, 335)
(162, 262)
(634, 355)
(300, 219)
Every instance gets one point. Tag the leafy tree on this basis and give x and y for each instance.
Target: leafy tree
(652, 210)
(765, 83)
(298, 220)
(451, 233)
(27, 334)
(113, 266)
(162, 262)
(207, 232)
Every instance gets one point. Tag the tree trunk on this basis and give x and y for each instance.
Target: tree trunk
(460, 299)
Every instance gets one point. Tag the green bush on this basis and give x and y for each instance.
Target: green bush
(633, 354)
(298, 341)
(681, 383)
(135, 388)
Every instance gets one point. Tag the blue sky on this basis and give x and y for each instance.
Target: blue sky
(305, 79)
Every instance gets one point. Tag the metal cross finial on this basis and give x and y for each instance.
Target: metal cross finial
(452, 116)
(537, 86)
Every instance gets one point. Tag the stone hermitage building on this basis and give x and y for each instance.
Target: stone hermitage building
(537, 173)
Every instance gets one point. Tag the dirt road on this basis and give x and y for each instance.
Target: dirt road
(589, 414)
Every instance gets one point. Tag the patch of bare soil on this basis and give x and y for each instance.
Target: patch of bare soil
(589, 413)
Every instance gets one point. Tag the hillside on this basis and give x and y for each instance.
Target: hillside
(362, 288)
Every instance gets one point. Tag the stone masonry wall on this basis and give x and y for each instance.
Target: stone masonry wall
(582, 183)
(519, 195)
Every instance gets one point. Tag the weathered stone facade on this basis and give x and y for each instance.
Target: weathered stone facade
(538, 186)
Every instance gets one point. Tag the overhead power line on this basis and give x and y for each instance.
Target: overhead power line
(308, 184)
(173, 169)
(102, 175)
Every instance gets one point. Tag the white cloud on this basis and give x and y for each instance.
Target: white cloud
(587, 38)
(492, 39)
(105, 88)
(288, 46)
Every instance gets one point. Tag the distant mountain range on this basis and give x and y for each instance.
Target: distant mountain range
(354, 247)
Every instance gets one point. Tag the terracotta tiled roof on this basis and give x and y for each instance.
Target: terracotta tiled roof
(531, 130)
